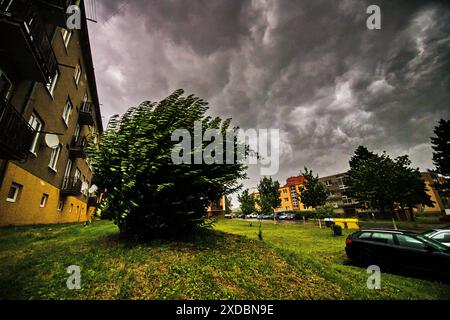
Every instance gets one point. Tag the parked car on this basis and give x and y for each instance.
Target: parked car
(440, 235)
(398, 249)
(267, 216)
(228, 216)
(282, 217)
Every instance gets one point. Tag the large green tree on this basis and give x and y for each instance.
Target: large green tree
(313, 193)
(269, 195)
(247, 202)
(387, 183)
(147, 194)
(441, 155)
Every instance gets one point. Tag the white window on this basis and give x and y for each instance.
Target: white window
(67, 111)
(5, 85)
(52, 84)
(71, 208)
(77, 74)
(77, 174)
(76, 135)
(36, 124)
(66, 35)
(44, 200)
(60, 205)
(54, 157)
(13, 192)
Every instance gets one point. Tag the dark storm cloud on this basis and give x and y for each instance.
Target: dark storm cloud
(309, 68)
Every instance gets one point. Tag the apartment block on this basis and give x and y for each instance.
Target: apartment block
(337, 197)
(49, 110)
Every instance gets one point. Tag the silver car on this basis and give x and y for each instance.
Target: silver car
(440, 235)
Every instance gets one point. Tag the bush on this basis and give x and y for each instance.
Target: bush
(445, 218)
(323, 212)
(148, 195)
(337, 230)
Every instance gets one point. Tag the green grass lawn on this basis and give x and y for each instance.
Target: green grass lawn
(292, 262)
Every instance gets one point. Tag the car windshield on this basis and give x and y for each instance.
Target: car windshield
(435, 244)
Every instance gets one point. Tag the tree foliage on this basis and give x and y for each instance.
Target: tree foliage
(269, 195)
(313, 193)
(147, 195)
(441, 155)
(385, 183)
(247, 202)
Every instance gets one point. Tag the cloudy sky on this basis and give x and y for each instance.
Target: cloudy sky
(310, 68)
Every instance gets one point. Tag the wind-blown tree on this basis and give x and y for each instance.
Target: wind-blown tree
(313, 193)
(269, 195)
(441, 155)
(147, 194)
(247, 202)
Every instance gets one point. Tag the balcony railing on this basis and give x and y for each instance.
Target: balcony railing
(71, 187)
(78, 148)
(27, 43)
(86, 116)
(54, 11)
(16, 135)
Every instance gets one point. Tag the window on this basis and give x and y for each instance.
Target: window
(52, 84)
(410, 242)
(328, 183)
(44, 200)
(387, 238)
(67, 111)
(36, 124)
(76, 135)
(71, 208)
(365, 235)
(60, 205)
(5, 85)
(66, 35)
(442, 237)
(13, 192)
(54, 157)
(77, 74)
(77, 174)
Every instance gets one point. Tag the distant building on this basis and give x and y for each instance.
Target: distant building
(440, 203)
(217, 209)
(289, 195)
(49, 109)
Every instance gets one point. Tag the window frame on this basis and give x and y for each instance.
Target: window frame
(44, 200)
(52, 85)
(54, 157)
(78, 73)
(66, 116)
(8, 93)
(40, 123)
(17, 187)
(66, 36)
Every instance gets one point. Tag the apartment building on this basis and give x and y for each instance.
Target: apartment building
(289, 195)
(346, 205)
(49, 109)
(337, 198)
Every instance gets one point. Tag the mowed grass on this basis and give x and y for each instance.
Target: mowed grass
(292, 262)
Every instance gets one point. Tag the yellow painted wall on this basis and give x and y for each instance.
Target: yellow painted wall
(26, 210)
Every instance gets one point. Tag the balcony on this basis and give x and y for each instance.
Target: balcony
(78, 148)
(27, 50)
(16, 135)
(71, 187)
(86, 116)
(54, 11)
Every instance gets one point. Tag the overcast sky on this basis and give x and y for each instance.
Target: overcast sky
(309, 68)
